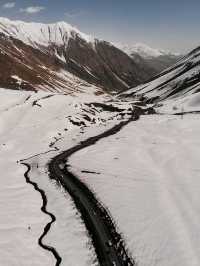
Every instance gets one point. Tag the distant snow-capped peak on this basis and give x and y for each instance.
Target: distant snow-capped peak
(143, 50)
(34, 34)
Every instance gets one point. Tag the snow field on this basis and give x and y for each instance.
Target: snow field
(32, 124)
(149, 180)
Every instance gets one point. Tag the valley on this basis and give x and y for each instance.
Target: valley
(99, 150)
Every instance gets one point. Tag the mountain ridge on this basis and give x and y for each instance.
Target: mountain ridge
(60, 47)
(40, 33)
(156, 59)
(178, 84)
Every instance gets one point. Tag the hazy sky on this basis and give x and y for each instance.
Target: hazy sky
(167, 24)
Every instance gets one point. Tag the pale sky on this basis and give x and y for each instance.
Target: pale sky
(170, 25)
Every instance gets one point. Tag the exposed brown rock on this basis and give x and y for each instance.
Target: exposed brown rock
(97, 63)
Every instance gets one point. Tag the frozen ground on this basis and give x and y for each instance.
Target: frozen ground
(30, 124)
(189, 103)
(148, 177)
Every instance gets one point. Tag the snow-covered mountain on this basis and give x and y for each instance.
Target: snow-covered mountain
(156, 59)
(157, 214)
(36, 34)
(143, 50)
(41, 55)
(179, 83)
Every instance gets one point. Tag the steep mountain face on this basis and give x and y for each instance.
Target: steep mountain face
(102, 64)
(180, 81)
(158, 60)
(57, 56)
(40, 35)
(23, 67)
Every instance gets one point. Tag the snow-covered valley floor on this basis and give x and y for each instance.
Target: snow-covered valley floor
(148, 177)
(44, 125)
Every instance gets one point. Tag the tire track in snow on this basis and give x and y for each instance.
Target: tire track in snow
(44, 210)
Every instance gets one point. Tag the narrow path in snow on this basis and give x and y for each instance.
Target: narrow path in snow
(44, 210)
(108, 243)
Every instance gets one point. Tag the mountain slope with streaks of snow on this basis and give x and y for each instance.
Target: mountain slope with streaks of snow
(178, 84)
(157, 59)
(35, 34)
(62, 47)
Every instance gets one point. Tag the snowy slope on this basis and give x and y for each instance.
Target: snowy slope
(35, 34)
(178, 82)
(23, 67)
(148, 177)
(27, 129)
(37, 127)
